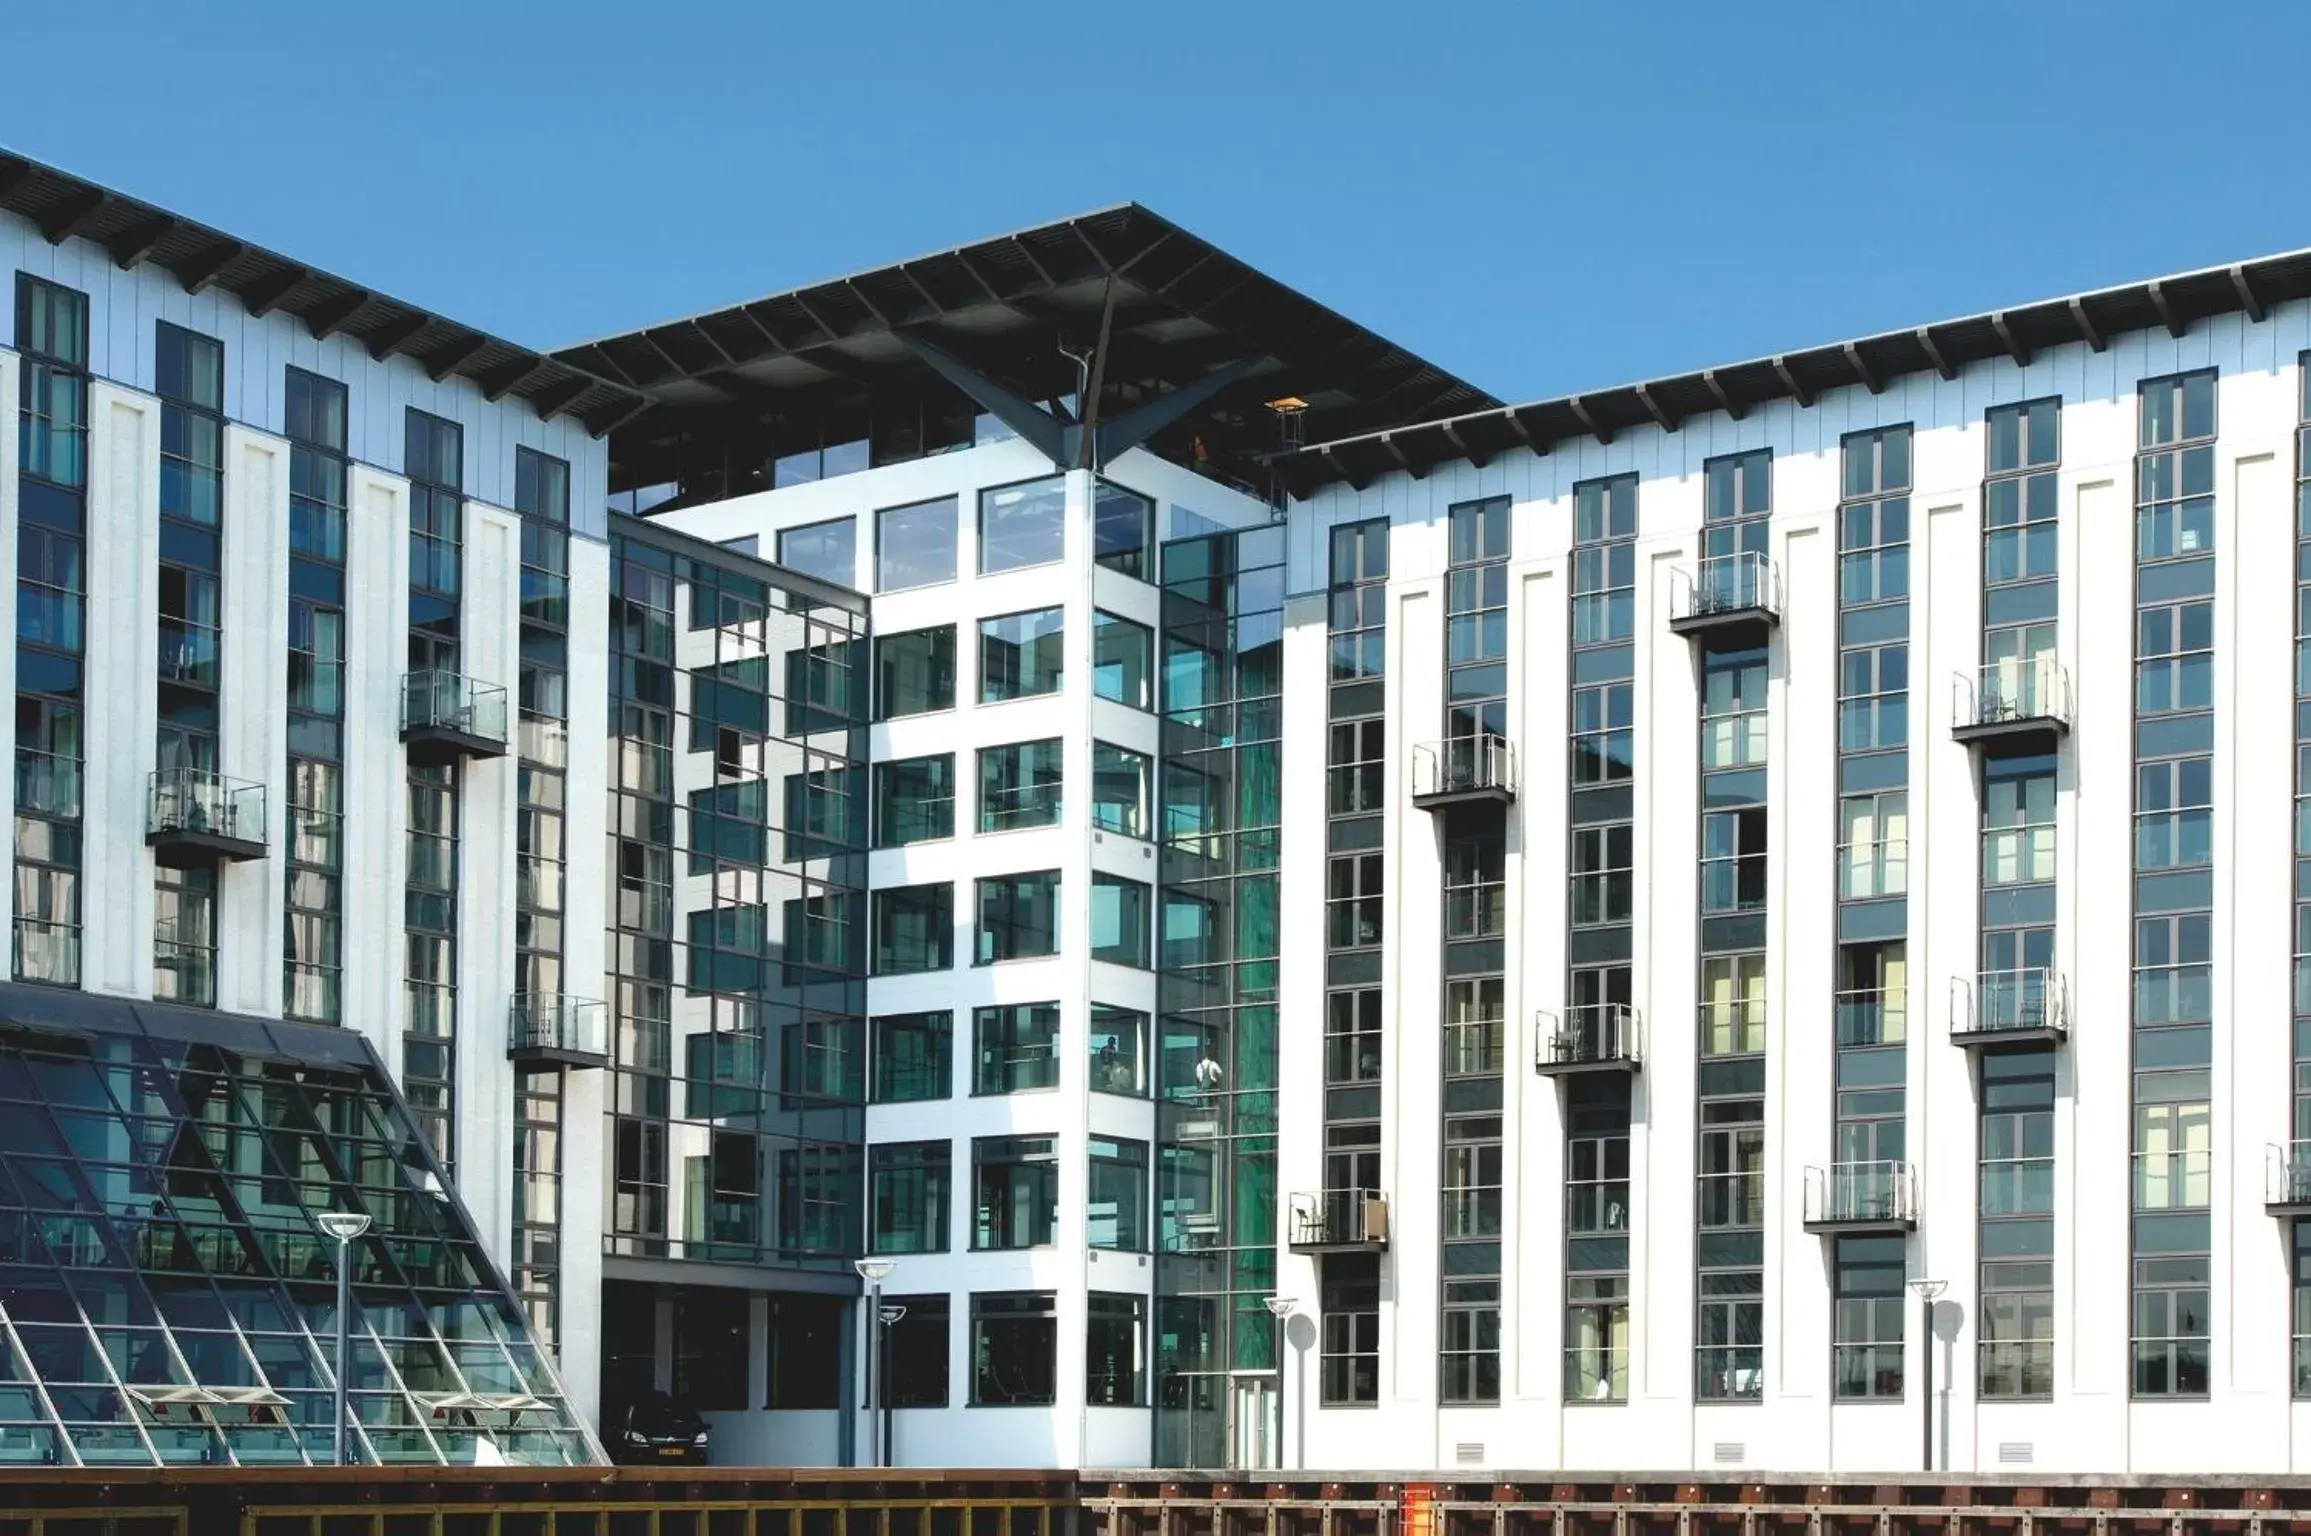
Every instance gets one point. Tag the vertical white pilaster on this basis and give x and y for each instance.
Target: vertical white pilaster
(122, 654)
(253, 711)
(376, 768)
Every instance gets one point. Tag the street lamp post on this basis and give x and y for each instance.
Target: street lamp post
(342, 1227)
(1927, 1290)
(874, 1272)
(1282, 1307)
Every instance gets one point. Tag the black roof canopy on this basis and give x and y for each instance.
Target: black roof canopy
(64, 206)
(1172, 308)
(1870, 362)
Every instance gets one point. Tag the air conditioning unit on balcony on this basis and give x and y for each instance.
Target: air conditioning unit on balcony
(1375, 1219)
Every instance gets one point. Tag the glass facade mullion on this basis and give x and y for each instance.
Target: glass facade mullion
(434, 463)
(51, 608)
(2173, 888)
(313, 945)
(1599, 986)
(1869, 1107)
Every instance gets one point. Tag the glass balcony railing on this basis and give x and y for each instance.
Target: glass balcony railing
(2008, 1003)
(2020, 695)
(1725, 589)
(195, 808)
(1851, 1196)
(1337, 1218)
(566, 1029)
(1463, 768)
(2287, 1178)
(456, 711)
(1593, 1036)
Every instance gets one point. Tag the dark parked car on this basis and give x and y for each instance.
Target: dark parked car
(653, 1429)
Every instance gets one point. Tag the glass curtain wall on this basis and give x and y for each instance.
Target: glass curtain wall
(1221, 803)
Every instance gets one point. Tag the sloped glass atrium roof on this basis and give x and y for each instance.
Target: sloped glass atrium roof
(165, 1295)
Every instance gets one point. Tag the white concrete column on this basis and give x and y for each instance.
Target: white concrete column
(121, 688)
(253, 713)
(376, 796)
(489, 622)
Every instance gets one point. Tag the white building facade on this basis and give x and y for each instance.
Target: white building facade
(1882, 851)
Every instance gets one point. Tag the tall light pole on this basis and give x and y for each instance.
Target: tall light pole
(1282, 1307)
(342, 1227)
(1927, 1290)
(874, 1272)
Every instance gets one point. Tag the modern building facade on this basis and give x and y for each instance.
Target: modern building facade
(939, 865)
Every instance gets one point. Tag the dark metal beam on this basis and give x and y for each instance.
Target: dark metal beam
(1661, 418)
(1725, 401)
(1525, 434)
(1403, 459)
(1034, 424)
(399, 334)
(2249, 299)
(1161, 240)
(204, 269)
(261, 299)
(329, 319)
(503, 381)
(551, 401)
(617, 418)
(1146, 419)
(707, 336)
(1798, 392)
(2170, 316)
(907, 271)
(13, 171)
(135, 243)
(440, 365)
(1096, 384)
(66, 219)
(1479, 458)
(1028, 256)
(867, 299)
(1356, 481)
(1863, 371)
(1935, 354)
(2088, 331)
(815, 318)
(1579, 406)
(2011, 342)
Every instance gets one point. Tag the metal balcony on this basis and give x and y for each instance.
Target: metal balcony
(445, 717)
(570, 1031)
(1337, 1221)
(1462, 771)
(1735, 598)
(2287, 1179)
(1851, 1199)
(2006, 1010)
(1598, 1037)
(2017, 705)
(194, 817)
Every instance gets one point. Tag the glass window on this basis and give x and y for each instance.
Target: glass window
(1122, 660)
(914, 800)
(915, 672)
(1115, 1351)
(1116, 1216)
(1121, 522)
(827, 550)
(1014, 1348)
(907, 1197)
(1119, 920)
(1017, 1047)
(1120, 785)
(918, 1351)
(1118, 1042)
(1015, 1183)
(1020, 654)
(1018, 916)
(914, 929)
(915, 545)
(913, 1057)
(1019, 786)
(1022, 525)
(1349, 1342)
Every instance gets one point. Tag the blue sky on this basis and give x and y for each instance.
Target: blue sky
(1540, 197)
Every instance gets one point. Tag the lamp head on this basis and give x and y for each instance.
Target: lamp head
(341, 1226)
(874, 1271)
(1928, 1290)
(1283, 1306)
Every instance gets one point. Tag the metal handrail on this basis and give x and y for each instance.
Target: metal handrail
(1319, 1217)
(1998, 1001)
(2015, 689)
(1592, 1032)
(1875, 1191)
(197, 801)
(439, 700)
(1464, 764)
(570, 1024)
(1744, 582)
